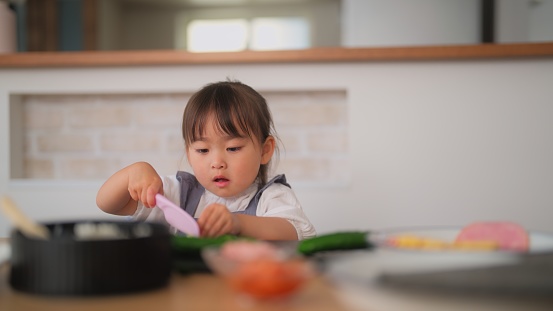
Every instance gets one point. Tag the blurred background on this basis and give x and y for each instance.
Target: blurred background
(367, 144)
(236, 25)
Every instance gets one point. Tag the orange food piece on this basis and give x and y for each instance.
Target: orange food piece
(269, 278)
(508, 235)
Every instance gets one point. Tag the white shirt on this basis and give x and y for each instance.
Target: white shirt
(277, 200)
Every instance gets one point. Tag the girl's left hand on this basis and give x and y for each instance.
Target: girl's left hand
(216, 220)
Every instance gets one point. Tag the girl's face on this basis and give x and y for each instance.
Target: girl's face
(224, 165)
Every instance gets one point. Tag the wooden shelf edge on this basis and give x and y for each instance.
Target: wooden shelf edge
(172, 57)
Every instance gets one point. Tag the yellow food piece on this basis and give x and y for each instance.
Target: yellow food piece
(476, 245)
(423, 243)
(416, 242)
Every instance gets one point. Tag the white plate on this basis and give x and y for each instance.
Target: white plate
(539, 241)
(363, 266)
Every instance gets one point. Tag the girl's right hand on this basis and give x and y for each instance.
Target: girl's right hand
(216, 220)
(144, 183)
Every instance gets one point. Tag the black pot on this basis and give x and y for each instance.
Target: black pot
(137, 258)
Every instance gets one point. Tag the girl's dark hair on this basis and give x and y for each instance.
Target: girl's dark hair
(237, 108)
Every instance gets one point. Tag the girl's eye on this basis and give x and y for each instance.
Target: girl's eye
(202, 151)
(234, 149)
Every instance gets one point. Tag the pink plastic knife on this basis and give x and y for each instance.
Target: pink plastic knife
(177, 217)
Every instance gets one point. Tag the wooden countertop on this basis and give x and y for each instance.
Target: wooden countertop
(330, 54)
(185, 292)
(208, 292)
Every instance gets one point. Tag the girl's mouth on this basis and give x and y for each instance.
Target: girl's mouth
(221, 181)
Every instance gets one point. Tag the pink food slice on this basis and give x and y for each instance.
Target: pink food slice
(177, 217)
(509, 236)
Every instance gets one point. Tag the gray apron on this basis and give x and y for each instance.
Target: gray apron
(191, 192)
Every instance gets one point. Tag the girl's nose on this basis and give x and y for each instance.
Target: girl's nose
(218, 163)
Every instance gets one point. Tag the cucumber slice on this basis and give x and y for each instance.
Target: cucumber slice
(335, 241)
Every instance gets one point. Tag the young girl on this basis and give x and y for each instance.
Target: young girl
(229, 140)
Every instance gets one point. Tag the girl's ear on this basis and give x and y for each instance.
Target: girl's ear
(267, 150)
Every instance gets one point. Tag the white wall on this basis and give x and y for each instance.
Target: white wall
(431, 142)
(373, 23)
(524, 21)
(541, 21)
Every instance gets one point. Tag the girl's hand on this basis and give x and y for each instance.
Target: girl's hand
(216, 220)
(121, 192)
(144, 183)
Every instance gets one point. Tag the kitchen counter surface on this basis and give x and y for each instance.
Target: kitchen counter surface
(184, 292)
(207, 292)
(204, 291)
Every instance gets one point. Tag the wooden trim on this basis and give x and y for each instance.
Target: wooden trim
(171, 57)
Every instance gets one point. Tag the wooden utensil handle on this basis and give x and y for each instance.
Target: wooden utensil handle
(21, 221)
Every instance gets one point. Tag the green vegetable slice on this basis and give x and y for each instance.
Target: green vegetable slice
(189, 244)
(334, 241)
